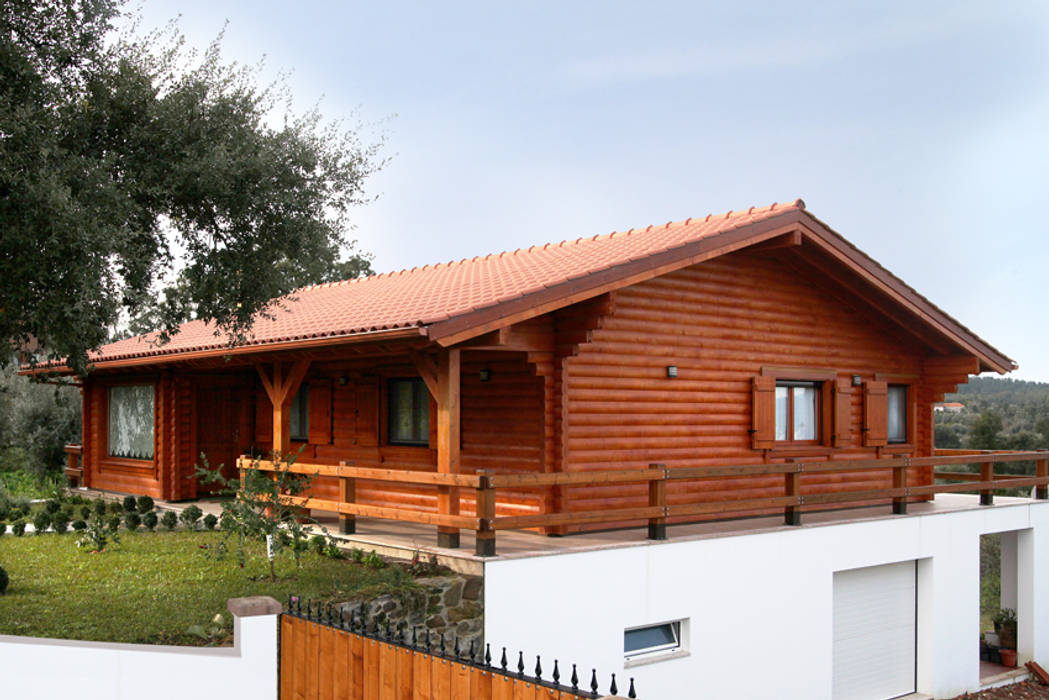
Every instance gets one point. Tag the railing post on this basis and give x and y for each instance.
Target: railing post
(987, 474)
(792, 482)
(657, 498)
(347, 494)
(484, 545)
(1041, 470)
(899, 481)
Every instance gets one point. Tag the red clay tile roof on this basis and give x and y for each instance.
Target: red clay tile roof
(446, 299)
(421, 296)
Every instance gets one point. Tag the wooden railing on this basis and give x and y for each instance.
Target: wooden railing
(485, 523)
(74, 472)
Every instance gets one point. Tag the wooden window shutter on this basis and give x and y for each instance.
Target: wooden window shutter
(843, 412)
(368, 412)
(876, 414)
(263, 416)
(320, 412)
(763, 427)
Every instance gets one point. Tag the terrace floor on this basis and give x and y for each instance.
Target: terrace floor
(403, 540)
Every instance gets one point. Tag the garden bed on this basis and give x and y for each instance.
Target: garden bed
(155, 586)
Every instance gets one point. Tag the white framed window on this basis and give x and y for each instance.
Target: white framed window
(797, 411)
(897, 413)
(654, 642)
(130, 429)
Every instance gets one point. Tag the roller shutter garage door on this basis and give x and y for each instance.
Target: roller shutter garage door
(874, 632)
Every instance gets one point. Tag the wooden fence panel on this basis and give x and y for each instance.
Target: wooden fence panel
(326, 662)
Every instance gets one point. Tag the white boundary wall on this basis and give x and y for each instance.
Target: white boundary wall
(50, 669)
(760, 605)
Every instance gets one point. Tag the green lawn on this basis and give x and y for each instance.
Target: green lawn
(153, 586)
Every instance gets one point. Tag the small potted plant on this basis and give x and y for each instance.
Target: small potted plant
(1005, 626)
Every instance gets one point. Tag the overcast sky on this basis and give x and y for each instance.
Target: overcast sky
(918, 130)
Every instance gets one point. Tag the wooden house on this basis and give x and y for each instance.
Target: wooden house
(753, 337)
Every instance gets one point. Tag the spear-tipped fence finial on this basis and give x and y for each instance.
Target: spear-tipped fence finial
(593, 682)
(488, 655)
(538, 669)
(614, 689)
(502, 662)
(520, 664)
(575, 678)
(631, 693)
(557, 673)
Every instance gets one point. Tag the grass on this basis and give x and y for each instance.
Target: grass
(152, 587)
(21, 484)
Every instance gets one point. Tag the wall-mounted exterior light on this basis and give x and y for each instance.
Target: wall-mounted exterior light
(672, 371)
(857, 380)
(486, 374)
(344, 380)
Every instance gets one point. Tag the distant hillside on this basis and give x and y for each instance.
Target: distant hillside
(999, 414)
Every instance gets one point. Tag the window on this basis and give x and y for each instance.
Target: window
(409, 403)
(897, 413)
(797, 411)
(300, 414)
(664, 639)
(131, 421)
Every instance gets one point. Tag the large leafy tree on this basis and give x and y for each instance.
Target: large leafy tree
(138, 182)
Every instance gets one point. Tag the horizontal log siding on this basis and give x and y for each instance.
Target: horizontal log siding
(720, 322)
(502, 424)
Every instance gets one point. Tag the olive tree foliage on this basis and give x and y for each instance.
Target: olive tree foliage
(36, 422)
(142, 180)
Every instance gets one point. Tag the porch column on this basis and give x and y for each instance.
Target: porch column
(449, 366)
(281, 387)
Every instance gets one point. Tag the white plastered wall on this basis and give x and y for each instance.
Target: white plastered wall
(45, 669)
(760, 605)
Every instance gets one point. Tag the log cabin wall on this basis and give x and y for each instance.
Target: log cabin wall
(502, 425)
(721, 323)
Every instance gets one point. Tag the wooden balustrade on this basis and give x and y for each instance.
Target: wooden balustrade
(485, 522)
(74, 472)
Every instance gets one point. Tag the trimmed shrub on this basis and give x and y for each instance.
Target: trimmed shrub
(3, 527)
(18, 528)
(5, 509)
(99, 506)
(52, 506)
(114, 508)
(16, 514)
(76, 499)
(41, 521)
(190, 516)
(150, 520)
(79, 525)
(210, 521)
(85, 512)
(60, 522)
(145, 504)
(130, 504)
(113, 522)
(4, 580)
(317, 543)
(132, 520)
(169, 520)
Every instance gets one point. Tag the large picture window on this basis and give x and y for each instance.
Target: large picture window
(409, 403)
(797, 411)
(897, 413)
(131, 421)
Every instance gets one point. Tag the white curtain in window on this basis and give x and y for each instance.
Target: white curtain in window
(897, 413)
(804, 413)
(131, 421)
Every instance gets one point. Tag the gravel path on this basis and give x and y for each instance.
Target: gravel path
(1028, 690)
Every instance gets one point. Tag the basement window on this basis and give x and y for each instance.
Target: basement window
(130, 433)
(654, 642)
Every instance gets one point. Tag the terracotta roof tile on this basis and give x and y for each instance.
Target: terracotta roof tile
(424, 295)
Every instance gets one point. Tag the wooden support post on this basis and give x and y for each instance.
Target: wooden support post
(448, 440)
(657, 498)
(347, 494)
(899, 481)
(485, 543)
(1041, 470)
(792, 483)
(987, 474)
